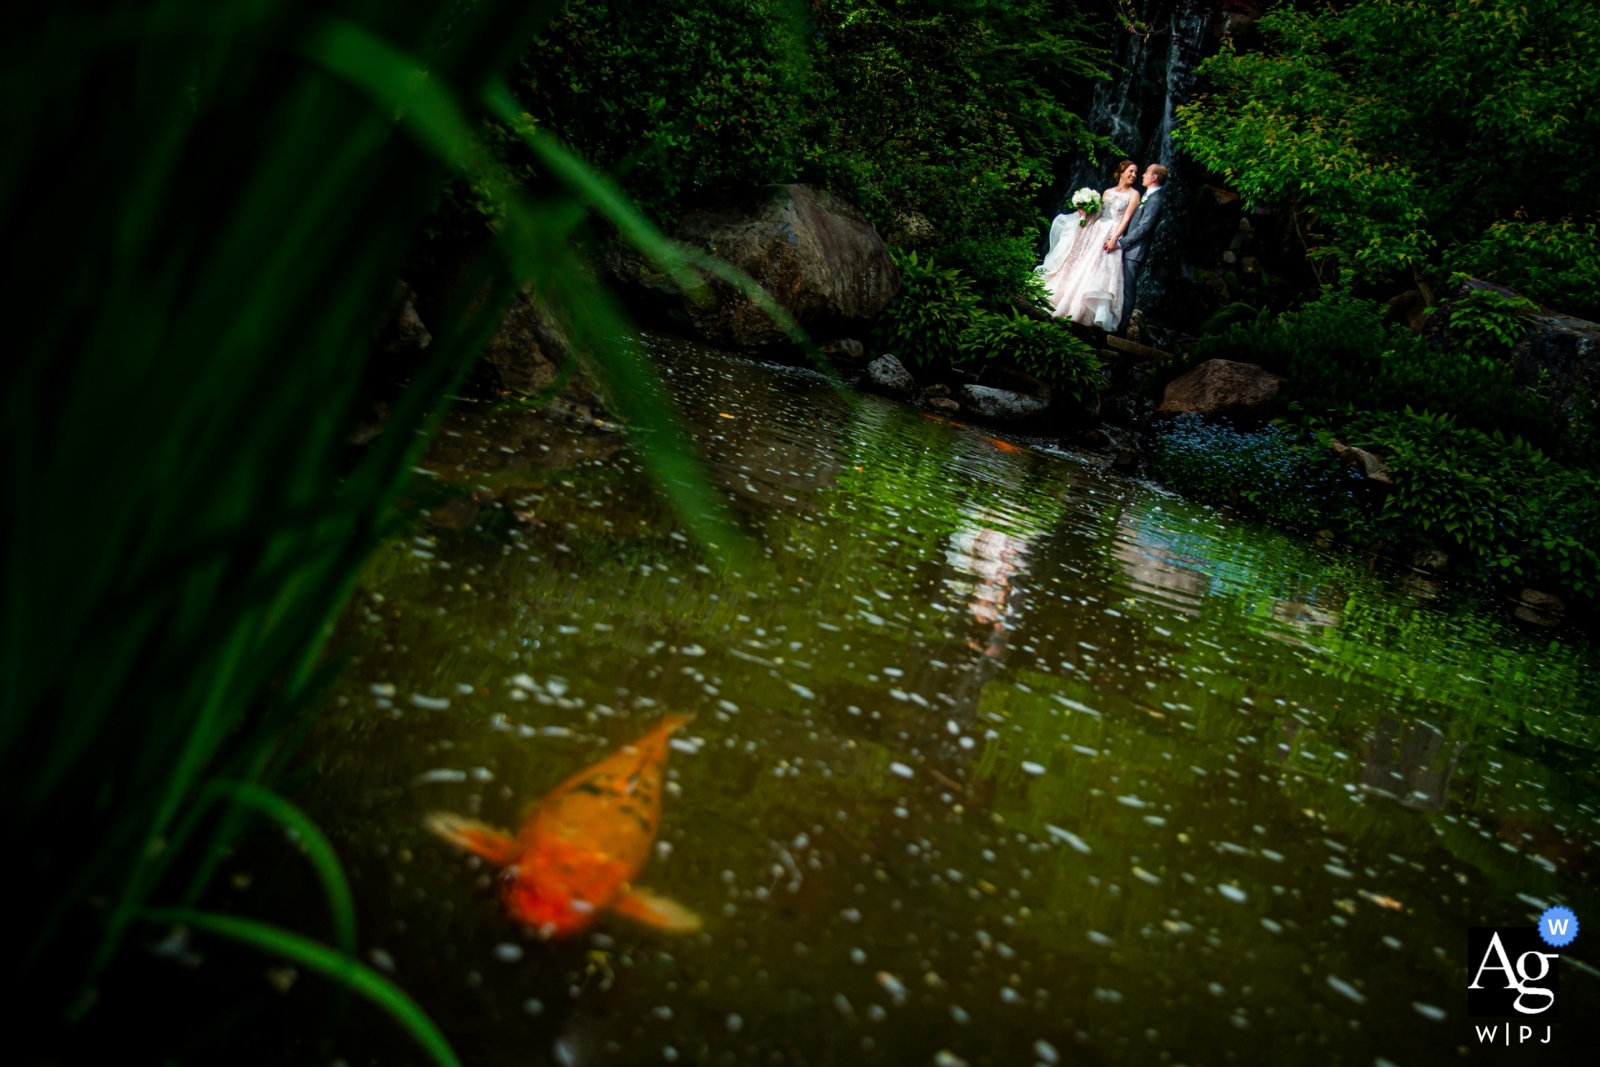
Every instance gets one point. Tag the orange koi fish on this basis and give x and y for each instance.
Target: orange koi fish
(580, 849)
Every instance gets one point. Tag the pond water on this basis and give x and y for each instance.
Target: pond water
(997, 758)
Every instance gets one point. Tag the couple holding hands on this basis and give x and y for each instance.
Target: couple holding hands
(1091, 271)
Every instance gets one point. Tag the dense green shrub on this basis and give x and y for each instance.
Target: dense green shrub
(1392, 131)
(1505, 507)
(1339, 356)
(923, 325)
(1047, 350)
(1556, 262)
(996, 265)
(680, 99)
(1275, 473)
(1486, 321)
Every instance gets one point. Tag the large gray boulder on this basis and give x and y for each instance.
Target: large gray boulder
(887, 375)
(527, 349)
(999, 405)
(1559, 355)
(1222, 388)
(402, 330)
(816, 255)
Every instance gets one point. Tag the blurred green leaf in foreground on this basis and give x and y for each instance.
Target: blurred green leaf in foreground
(204, 209)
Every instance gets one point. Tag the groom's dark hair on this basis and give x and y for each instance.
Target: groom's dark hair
(1160, 173)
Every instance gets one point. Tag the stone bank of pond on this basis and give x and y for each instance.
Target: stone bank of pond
(997, 758)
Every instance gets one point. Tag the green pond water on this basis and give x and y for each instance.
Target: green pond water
(997, 758)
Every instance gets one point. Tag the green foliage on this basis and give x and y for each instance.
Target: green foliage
(1510, 512)
(1047, 350)
(681, 99)
(1339, 355)
(943, 122)
(1000, 266)
(1554, 261)
(1486, 322)
(924, 323)
(1274, 473)
(1393, 130)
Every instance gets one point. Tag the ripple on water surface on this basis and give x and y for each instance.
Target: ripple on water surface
(994, 754)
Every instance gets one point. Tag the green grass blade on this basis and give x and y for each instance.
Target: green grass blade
(337, 966)
(596, 190)
(318, 850)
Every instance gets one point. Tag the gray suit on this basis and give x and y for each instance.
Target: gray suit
(1133, 245)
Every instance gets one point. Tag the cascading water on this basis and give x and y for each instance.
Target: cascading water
(1152, 75)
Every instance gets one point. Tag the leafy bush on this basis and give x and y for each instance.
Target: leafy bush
(1339, 356)
(1391, 130)
(996, 265)
(1557, 262)
(1047, 350)
(924, 323)
(1274, 473)
(682, 99)
(1485, 321)
(1506, 507)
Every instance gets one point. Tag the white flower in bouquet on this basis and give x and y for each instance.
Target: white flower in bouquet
(1087, 201)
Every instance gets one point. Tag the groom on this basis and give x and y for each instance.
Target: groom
(1135, 240)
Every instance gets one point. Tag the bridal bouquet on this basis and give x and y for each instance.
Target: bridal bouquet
(1087, 201)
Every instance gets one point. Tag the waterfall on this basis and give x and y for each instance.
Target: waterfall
(1151, 76)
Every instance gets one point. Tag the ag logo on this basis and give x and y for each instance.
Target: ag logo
(1513, 973)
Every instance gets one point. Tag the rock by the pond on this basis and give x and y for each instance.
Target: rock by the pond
(402, 330)
(999, 405)
(1369, 466)
(527, 347)
(936, 389)
(1015, 381)
(818, 256)
(1221, 388)
(1558, 356)
(844, 350)
(1127, 462)
(1409, 309)
(943, 405)
(889, 376)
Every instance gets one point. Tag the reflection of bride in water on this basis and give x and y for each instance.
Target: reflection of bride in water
(992, 556)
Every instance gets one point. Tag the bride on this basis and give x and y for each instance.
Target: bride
(1083, 269)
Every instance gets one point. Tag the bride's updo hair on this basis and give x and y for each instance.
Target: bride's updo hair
(1116, 175)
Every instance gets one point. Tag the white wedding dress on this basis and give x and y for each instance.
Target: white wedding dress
(1083, 279)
